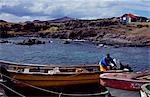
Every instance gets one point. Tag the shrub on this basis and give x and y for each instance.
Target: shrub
(139, 26)
(147, 26)
(130, 29)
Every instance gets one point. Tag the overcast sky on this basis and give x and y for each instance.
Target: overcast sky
(25, 10)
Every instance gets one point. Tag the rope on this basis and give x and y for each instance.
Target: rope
(57, 93)
(12, 90)
(95, 94)
(60, 94)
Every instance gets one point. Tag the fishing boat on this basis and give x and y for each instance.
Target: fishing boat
(125, 84)
(82, 80)
(51, 76)
(145, 90)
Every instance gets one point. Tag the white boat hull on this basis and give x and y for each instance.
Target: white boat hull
(145, 90)
(143, 94)
(123, 93)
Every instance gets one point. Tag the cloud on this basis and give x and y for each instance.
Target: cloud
(140, 5)
(9, 3)
(13, 18)
(49, 9)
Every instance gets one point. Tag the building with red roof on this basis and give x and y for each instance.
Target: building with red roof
(127, 18)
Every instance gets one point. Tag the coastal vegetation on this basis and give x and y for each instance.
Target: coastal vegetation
(108, 31)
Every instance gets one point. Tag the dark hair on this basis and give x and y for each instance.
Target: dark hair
(108, 55)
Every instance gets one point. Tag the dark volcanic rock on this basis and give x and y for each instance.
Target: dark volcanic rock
(31, 42)
(4, 41)
(108, 31)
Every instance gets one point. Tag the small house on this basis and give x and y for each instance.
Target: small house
(127, 18)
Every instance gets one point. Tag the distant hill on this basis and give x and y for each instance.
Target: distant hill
(3, 21)
(63, 19)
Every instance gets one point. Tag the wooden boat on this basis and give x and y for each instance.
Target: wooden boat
(77, 79)
(145, 90)
(124, 84)
(53, 77)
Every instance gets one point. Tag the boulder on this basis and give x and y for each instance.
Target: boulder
(31, 42)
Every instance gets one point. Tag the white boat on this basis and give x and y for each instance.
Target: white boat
(145, 90)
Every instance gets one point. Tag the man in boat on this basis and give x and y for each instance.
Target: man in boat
(106, 63)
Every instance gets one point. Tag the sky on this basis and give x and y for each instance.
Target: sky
(29, 10)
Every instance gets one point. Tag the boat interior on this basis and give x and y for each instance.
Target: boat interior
(51, 69)
(128, 76)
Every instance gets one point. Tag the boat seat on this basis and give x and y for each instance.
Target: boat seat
(54, 71)
(26, 70)
(146, 77)
(81, 70)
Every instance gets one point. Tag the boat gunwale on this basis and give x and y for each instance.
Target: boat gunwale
(45, 65)
(57, 73)
(133, 79)
(138, 81)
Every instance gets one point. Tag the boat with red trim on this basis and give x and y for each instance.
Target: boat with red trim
(126, 83)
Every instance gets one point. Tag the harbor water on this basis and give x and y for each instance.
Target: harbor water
(54, 51)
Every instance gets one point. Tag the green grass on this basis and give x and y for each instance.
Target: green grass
(51, 29)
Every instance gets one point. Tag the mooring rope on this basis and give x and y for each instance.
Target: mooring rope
(57, 93)
(12, 90)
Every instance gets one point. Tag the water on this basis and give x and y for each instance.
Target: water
(74, 53)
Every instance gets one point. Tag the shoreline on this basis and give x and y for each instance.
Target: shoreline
(105, 31)
(95, 42)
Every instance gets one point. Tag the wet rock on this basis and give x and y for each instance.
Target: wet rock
(4, 41)
(66, 42)
(31, 42)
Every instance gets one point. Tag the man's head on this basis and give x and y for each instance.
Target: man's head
(108, 55)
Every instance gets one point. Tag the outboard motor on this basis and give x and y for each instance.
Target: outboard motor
(123, 67)
(120, 66)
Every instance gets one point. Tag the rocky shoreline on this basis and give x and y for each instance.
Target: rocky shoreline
(101, 31)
